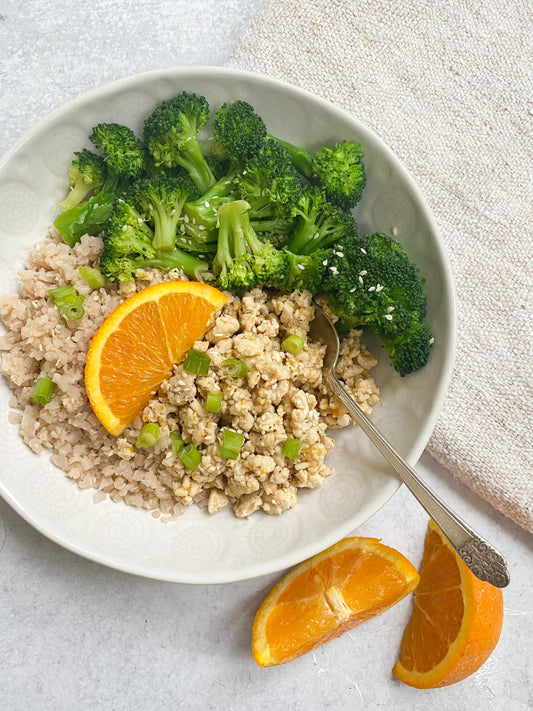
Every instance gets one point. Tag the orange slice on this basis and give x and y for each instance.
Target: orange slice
(455, 623)
(135, 348)
(348, 583)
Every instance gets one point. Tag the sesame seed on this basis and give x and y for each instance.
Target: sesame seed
(353, 289)
(394, 231)
(206, 203)
(339, 254)
(431, 341)
(390, 308)
(361, 280)
(316, 235)
(150, 206)
(194, 220)
(363, 250)
(182, 228)
(301, 266)
(388, 317)
(140, 220)
(124, 228)
(186, 218)
(371, 288)
(183, 240)
(363, 272)
(227, 182)
(379, 287)
(325, 262)
(244, 172)
(173, 211)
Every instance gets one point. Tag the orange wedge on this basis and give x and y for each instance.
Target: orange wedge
(135, 348)
(323, 597)
(455, 623)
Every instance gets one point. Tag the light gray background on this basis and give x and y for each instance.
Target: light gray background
(75, 635)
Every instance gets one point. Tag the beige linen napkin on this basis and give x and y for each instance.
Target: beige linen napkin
(449, 87)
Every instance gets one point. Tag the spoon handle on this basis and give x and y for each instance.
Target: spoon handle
(485, 562)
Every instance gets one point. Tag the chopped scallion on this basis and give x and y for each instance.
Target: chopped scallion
(190, 456)
(148, 436)
(231, 444)
(196, 362)
(42, 392)
(93, 277)
(235, 367)
(177, 442)
(68, 301)
(291, 448)
(292, 344)
(213, 402)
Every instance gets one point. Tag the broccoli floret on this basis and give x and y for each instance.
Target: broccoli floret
(319, 224)
(124, 161)
(305, 272)
(339, 171)
(201, 214)
(162, 199)
(271, 186)
(242, 260)
(128, 246)
(171, 136)
(372, 283)
(123, 151)
(239, 130)
(87, 175)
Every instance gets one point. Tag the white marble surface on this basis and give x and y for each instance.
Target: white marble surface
(76, 635)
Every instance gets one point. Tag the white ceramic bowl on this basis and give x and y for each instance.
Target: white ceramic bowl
(198, 548)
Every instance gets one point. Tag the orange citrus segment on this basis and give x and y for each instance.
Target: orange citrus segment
(456, 620)
(348, 583)
(135, 348)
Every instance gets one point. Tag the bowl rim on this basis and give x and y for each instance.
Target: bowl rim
(286, 560)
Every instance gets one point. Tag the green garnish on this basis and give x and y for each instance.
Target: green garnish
(291, 448)
(292, 344)
(196, 362)
(148, 436)
(235, 367)
(190, 456)
(93, 277)
(231, 444)
(42, 392)
(213, 402)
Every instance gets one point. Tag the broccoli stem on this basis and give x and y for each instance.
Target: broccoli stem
(178, 259)
(165, 226)
(195, 164)
(301, 158)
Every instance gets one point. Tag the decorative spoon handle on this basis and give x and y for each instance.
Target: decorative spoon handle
(485, 562)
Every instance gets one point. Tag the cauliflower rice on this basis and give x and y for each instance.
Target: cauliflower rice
(281, 396)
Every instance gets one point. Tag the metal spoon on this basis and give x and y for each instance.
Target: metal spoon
(485, 562)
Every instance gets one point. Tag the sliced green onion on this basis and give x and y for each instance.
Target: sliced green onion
(63, 293)
(148, 436)
(292, 344)
(291, 448)
(93, 277)
(190, 456)
(213, 402)
(68, 301)
(177, 442)
(231, 444)
(196, 362)
(235, 367)
(71, 311)
(42, 392)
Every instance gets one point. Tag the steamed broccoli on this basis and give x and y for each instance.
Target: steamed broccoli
(128, 246)
(319, 224)
(339, 171)
(171, 136)
(123, 151)
(124, 161)
(372, 283)
(272, 187)
(87, 175)
(162, 199)
(305, 271)
(239, 130)
(201, 214)
(242, 260)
